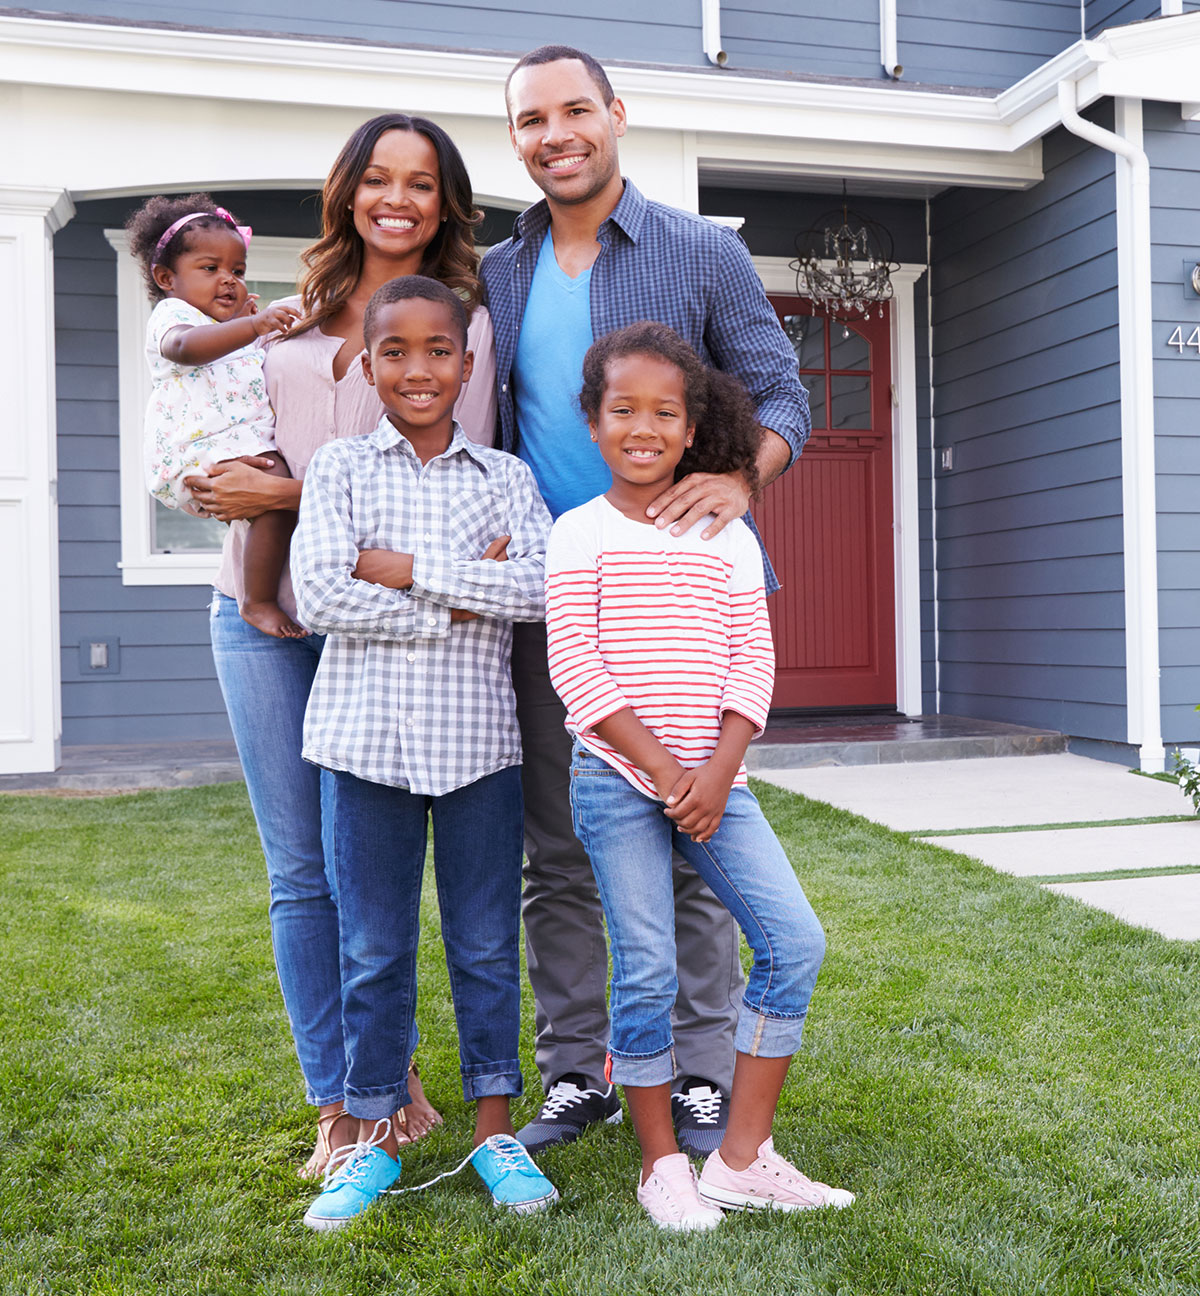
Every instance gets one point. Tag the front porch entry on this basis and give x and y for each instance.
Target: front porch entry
(827, 523)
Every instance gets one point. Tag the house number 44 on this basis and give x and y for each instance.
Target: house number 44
(1176, 339)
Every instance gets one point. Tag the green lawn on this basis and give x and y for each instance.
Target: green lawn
(1008, 1081)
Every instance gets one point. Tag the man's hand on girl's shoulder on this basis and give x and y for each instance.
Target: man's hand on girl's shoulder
(725, 495)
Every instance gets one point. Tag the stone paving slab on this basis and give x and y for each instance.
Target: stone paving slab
(1082, 850)
(996, 793)
(1167, 905)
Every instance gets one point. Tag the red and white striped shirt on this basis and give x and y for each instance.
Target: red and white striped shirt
(673, 626)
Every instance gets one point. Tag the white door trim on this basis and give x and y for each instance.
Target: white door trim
(778, 277)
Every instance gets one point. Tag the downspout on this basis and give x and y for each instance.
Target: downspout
(710, 11)
(1139, 491)
(888, 54)
(933, 466)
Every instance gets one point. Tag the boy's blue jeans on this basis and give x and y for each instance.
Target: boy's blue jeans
(376, 837)
(629, 840)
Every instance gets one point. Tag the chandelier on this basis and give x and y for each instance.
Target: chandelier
(844, 264)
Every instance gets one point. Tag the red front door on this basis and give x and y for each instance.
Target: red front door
(827, 522)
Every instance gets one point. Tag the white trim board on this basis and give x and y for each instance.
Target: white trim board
(86, 70)
(778, 277)
(958, 132)
(30, 656)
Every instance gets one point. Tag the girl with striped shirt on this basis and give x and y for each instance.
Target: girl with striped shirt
(660, 649)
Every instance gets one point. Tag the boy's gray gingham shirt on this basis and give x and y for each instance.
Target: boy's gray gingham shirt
(402, 696)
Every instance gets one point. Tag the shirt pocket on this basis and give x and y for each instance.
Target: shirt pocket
(476, 519)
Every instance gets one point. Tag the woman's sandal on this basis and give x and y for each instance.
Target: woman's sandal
(419, 1117)
(314, 1167)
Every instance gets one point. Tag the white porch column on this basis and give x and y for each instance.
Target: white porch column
(30, 698)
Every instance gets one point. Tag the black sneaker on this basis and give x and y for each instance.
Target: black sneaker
(700, 1111)
(568, 1110)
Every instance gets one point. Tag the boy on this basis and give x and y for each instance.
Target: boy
(414, 552)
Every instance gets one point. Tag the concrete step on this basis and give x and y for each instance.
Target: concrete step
(789, 743)
(871, 741)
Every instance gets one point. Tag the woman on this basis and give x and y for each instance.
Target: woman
(397, 201)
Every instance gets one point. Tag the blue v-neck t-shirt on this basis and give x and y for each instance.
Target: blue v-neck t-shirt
(553, 437)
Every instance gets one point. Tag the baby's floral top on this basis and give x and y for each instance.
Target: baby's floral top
(200, 414)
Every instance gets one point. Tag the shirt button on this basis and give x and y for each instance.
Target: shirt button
(428, 537)
(504, 387)
(433, 621)
(409, 722)
(412, 656)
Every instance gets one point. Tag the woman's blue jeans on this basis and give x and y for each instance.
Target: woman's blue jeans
(629, 840)
(266, 682)
(377, 837)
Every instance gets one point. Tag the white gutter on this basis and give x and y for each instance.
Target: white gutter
(888, 54)
(1139, 493)
(710, 11)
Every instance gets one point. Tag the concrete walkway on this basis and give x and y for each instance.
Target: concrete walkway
(943, 801)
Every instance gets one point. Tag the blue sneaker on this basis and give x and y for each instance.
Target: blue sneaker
(510, 1175)
(353, 1186)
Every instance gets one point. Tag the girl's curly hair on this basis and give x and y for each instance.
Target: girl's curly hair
(728, 434)
(335, 260)
(152, 220)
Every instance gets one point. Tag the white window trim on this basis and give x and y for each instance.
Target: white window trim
(275, 259)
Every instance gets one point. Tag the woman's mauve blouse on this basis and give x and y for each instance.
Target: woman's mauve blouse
(310, 409)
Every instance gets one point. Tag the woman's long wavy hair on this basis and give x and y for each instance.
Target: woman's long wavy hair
(335, 261)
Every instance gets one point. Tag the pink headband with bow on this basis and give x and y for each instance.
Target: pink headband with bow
(244, 230)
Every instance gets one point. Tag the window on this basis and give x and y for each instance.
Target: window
(162, 546)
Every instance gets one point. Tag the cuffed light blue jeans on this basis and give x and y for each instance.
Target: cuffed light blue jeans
(376, 836)
(629, 841)
(266, 682)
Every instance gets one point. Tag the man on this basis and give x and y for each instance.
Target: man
(593, 256)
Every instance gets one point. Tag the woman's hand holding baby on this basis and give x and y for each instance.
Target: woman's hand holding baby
(241, 488)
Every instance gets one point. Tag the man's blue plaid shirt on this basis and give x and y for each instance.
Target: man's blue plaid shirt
(659, 263)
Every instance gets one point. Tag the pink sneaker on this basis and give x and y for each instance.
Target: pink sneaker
(769, 1181)
(670, 1197)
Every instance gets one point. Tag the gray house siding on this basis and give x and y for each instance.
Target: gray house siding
(1116, 13)
(666, 32)
(986, 43)
(165, 686)
(803, 37)
(1173, 146)
(1026, 392)
(970, 43)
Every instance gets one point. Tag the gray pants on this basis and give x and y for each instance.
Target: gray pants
(564, 922)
